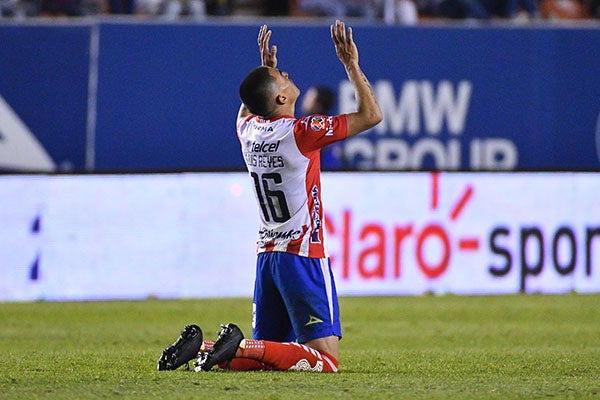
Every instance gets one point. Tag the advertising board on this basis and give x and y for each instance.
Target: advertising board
(194, 235)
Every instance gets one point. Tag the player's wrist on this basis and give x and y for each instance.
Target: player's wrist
(352, 67)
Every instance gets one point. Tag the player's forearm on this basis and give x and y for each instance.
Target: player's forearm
(368, 113)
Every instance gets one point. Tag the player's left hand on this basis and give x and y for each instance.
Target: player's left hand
(267, 56)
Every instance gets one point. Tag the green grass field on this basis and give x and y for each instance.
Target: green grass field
(429, 347)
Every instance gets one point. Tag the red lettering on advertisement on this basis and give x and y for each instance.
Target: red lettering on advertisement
(400, 233)
(433, 231)
(375, 252)
(366, 250)
(369, 260)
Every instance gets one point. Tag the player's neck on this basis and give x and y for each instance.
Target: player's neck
(282, 111)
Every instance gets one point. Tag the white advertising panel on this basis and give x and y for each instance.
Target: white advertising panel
(193, 235)
(465, 233)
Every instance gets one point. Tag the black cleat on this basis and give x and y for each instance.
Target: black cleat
(185, 349)
(223, 350)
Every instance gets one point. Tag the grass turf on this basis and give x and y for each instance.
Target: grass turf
(429, 347)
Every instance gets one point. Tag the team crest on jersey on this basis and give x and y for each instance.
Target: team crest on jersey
(317, 123)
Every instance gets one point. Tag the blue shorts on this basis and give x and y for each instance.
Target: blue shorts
(294, 299)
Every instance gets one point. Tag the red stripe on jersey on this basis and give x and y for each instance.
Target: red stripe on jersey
(312, 133)
(315, 207)
(294, 245)
(270, 245)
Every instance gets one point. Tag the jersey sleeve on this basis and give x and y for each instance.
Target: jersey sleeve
(316, 131)
(241, 125)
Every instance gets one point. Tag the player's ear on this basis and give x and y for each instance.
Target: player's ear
(281, 99)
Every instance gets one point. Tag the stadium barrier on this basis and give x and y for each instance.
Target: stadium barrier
(126, 96)
(70, 237)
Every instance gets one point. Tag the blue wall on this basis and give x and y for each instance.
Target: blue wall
(44, 79)
(468, 98)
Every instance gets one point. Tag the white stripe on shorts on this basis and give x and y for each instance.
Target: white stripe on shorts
(328, 285)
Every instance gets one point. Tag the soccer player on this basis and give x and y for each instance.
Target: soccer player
(296, 324)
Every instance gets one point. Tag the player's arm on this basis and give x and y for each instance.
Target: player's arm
(268, 58)
(369, 113)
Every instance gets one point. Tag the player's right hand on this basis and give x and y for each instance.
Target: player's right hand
(268, 56)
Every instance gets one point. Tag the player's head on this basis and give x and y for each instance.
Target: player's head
(317, 100)
(268, 92)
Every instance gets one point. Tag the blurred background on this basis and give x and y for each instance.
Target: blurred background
(118, 148)
(389, 11)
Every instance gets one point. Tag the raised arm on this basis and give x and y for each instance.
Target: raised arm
(369, 113)
(268, 58)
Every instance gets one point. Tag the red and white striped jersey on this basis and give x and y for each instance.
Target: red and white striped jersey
(282, 156)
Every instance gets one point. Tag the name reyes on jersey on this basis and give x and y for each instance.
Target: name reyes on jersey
(257, 154)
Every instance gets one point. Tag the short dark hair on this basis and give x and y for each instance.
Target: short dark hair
(255, 91)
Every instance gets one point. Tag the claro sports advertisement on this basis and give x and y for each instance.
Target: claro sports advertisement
(193, 235)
